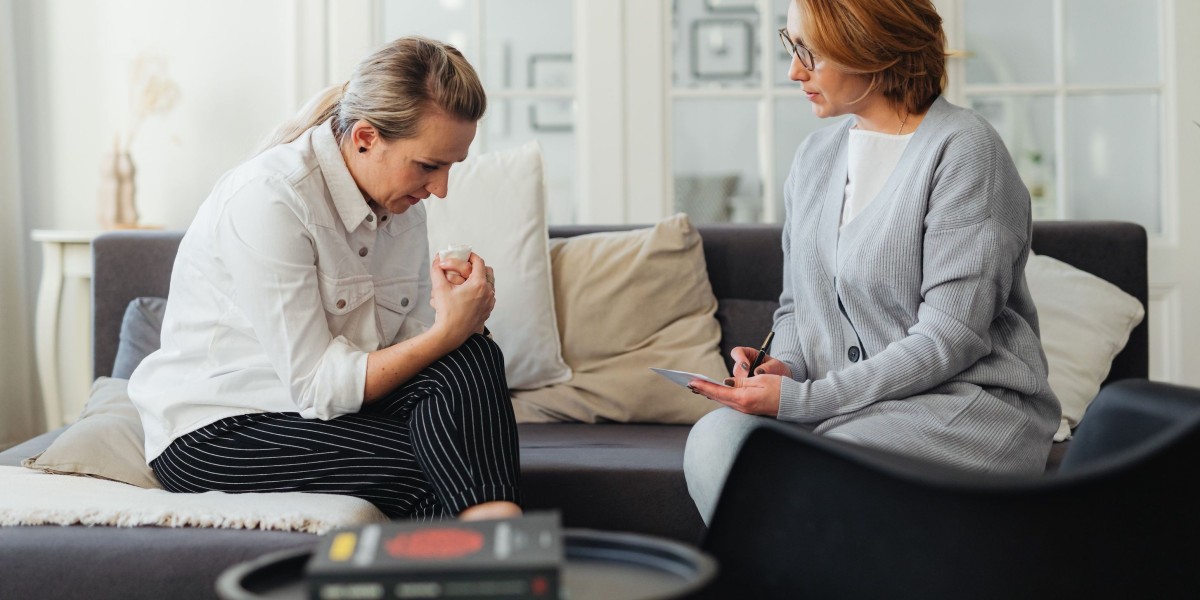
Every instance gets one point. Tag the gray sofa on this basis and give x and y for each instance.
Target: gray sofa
(605, 476)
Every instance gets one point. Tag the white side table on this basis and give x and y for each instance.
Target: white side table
(64, 370)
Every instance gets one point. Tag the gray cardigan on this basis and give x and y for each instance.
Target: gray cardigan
(912, 329)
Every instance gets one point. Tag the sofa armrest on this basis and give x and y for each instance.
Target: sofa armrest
(1127, 414)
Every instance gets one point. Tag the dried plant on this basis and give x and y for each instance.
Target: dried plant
(151, 92)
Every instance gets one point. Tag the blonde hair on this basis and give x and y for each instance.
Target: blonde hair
(392, 90)
(898, 43)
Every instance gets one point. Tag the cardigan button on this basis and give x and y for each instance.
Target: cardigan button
(853, 354)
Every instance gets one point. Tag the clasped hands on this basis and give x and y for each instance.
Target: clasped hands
(464, 294)
(753, 394)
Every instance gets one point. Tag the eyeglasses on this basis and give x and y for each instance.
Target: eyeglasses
(799, 50)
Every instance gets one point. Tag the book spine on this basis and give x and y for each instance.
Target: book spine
(538, 584)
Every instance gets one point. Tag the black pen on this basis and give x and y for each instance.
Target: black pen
(762, 353)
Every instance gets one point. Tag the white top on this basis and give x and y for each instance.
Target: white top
(284, 282)
(871, 158)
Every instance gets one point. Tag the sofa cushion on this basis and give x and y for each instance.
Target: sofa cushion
(742, 322)
(623, 477)
(141, 334)
(628, 301)
(497, 205)
(123, 563)
(1085, 322)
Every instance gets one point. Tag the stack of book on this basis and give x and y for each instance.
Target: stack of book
(519, 558)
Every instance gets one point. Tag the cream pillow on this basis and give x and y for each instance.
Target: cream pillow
(1085, 322)
(497, 204)
(106, 441)
(628, 301)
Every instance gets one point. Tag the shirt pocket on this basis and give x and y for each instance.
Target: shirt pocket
(340, 297)
(395, 299)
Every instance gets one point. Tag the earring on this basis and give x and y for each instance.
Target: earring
(362, 149)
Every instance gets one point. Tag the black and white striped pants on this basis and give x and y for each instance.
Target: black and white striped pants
(443, 441)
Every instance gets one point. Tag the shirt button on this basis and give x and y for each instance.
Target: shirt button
(383, 218)
(362, 252)
(404, 302)
(341, 304)
(853, 354)
(370, 218)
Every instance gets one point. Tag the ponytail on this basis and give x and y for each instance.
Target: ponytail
(317, 110)
(392, 90)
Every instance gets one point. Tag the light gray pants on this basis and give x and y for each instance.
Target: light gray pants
(711, 447)
(713, 444)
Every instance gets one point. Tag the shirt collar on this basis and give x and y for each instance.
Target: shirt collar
(349, 201)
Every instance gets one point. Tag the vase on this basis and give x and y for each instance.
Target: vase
(115, 205)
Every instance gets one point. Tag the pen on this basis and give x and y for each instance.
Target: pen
(762, 353)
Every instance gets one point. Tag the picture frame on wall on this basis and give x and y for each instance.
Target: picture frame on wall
(555, 72)
(721, 49)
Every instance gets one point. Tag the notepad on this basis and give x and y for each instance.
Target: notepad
(683, 377)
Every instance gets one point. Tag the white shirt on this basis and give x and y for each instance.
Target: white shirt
(284, 282)
(870, 160)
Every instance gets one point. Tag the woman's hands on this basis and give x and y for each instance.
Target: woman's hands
(464, 295)
(744, 356)
(753, 395)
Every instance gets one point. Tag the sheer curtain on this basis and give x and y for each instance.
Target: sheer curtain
(18, 399)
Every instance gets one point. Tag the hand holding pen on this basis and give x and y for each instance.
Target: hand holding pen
(747, 392)
(748, 362)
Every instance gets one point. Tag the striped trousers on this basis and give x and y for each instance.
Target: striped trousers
(443, 441)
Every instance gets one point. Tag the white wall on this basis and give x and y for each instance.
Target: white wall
(234, 64)
(17, 413)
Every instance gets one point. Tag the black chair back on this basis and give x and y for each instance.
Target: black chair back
(807, 517)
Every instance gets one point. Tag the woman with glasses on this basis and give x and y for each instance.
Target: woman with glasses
(905, 323)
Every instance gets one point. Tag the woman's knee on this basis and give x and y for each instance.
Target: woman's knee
(477, 363)
(712, 446)
(715, 439)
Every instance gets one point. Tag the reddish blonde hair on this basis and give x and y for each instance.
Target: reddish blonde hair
(899, 44)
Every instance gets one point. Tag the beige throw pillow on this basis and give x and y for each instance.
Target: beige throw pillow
(106, 441)
(497, 204)
(1085, 322)
(628, 301)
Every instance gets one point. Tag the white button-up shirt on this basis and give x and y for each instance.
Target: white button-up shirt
(284, 282)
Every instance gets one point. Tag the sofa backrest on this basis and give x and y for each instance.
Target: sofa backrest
(745, 266)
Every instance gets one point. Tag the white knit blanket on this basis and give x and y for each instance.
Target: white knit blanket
(29, 497)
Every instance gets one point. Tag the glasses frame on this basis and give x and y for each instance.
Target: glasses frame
(797, 49)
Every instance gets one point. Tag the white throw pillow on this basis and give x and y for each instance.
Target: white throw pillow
(497, 204)
(1085, 322)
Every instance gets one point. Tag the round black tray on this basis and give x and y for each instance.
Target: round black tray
(600, 564)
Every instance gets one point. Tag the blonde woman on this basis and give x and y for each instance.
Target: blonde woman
(309, 343)
(905, 323)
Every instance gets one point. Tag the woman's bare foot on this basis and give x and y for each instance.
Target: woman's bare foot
(497, 509)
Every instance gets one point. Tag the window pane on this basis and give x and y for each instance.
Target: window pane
(449, 22)
(511, 123)
(1026, 123)
(1112, 41)
(1009, 41)
(783, 60)
(529, 44)
(716, 43)
(1113, 166)
(716, 160)
(794, 120)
